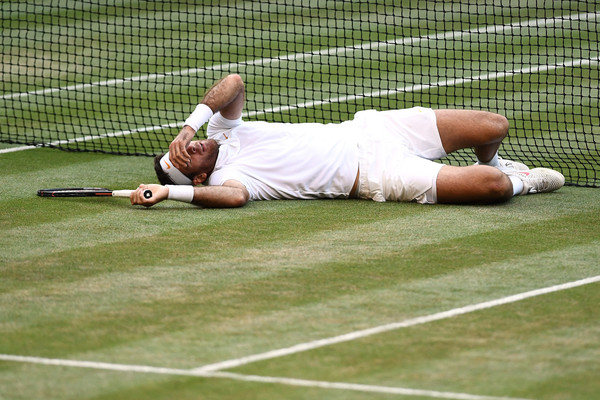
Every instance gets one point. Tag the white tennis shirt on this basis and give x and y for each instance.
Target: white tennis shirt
(286, 161)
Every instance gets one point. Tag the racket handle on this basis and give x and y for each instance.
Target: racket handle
(122, 193)
(126, 193)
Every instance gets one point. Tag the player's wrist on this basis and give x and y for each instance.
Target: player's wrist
(184, 193)
(199, 117)
(186, 133)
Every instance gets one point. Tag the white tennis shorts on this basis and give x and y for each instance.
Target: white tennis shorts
(396, 153)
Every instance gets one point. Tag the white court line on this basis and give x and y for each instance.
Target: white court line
(334, 51)
(20, 148)
(250, 378)
(450, 82)
(341, 99)
(360, 387)
(94, 137)
(543, 22)
(390, 327)
(212, 370)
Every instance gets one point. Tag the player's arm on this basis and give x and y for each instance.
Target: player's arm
(226, 96)
(231, 194)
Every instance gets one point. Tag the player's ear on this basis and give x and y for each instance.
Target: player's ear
(199, 179)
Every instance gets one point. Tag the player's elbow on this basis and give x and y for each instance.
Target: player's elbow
(233, 194)
(235, 80)
(238, 200)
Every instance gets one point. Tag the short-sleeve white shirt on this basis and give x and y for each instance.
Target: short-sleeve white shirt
(286, 161)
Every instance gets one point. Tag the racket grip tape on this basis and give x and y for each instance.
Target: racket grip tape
(127, 193)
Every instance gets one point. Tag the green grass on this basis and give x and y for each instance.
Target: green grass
(181, 287)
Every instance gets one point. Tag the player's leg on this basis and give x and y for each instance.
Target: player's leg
(481, 130)
(406, 177)
(475, 184)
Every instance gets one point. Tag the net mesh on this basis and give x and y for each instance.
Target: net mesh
(121, 76)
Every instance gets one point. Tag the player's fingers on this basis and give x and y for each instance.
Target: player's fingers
(145, 200)
(134, 196)
(178, 154)
(182, 160)
(137, 196)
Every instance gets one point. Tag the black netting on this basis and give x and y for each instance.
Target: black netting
(120, 77)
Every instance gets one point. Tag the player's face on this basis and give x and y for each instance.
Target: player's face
(203, 155)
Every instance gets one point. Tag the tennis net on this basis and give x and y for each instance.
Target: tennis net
(120, 77)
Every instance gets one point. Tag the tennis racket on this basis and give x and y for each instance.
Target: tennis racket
(88, 192)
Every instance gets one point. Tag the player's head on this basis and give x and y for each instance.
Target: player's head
(160, 161)
(203, 157)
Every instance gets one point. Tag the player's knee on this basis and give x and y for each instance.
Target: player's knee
(499, 125)
(498, 186)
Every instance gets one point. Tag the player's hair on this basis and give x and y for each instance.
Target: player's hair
(163, 178)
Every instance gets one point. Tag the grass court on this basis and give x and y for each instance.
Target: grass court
(294, 299)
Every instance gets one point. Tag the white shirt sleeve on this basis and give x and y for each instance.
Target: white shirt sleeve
(219, 127)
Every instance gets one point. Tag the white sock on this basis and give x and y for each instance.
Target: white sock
(493, 162)
(517, 185)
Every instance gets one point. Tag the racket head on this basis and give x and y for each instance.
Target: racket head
(74, 192)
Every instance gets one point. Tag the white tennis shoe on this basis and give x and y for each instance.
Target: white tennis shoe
(539, 180)
(508, 165)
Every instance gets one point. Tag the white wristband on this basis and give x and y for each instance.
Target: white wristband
(181, 193)
(199, 117)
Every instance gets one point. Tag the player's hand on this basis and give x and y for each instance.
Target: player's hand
(178, 148)
(159, 193)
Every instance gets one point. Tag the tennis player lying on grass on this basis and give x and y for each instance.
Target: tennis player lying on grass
(383, 156)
